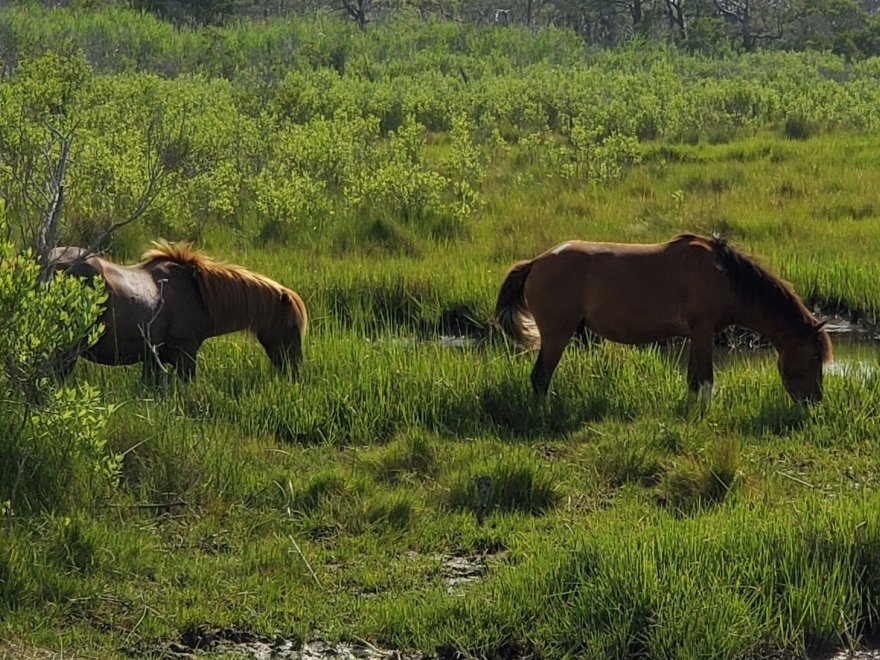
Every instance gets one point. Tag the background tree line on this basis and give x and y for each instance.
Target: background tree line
(846, 27)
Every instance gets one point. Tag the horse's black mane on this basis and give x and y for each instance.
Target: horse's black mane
(754, 283)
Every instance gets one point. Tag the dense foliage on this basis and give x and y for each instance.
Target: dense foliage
(299, 129)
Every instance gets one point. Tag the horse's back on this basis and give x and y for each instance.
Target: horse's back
(136, 284)
(631, 293)
(623, 265)
(65, 254)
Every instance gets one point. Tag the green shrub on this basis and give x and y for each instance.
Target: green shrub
(51, 435)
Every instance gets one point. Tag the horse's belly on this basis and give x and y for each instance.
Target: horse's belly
(123, 341)
(637, 336)
(110, 350)
(628, 326)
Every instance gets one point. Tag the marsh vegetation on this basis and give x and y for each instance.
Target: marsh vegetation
(388, 187)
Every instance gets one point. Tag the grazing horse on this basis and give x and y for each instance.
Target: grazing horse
(161, 310)
(691, 286)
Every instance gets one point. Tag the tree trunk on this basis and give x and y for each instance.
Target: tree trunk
(748, 39)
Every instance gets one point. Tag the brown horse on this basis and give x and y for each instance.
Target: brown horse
(691, 286)
(161, 310)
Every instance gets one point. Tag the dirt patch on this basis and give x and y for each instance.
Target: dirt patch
(461, 569)
(231, 642)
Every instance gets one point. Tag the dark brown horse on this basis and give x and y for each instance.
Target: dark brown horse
(690, 286)
(161, 310)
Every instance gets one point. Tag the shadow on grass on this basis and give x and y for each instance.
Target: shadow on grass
(777, 417)
(513, 408)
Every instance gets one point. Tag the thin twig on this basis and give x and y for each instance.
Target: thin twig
(148, 505)
(301, 554)
(796, 480)
(11, 510)
(139, 622)
(306, 561)
(145, 332)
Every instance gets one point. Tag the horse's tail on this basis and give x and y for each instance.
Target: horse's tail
(302, 312)
(511, 311)
(302, 326)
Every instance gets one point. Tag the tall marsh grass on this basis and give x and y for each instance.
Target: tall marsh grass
(720, 585)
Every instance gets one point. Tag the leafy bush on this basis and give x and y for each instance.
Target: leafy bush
(50, 435)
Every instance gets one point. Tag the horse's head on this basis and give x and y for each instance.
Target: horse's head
(282, 338)
(800, 365)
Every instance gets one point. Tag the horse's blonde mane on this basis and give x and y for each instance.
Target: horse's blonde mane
(233, 296)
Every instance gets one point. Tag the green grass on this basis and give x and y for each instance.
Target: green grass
(599, 505)
(617, 522)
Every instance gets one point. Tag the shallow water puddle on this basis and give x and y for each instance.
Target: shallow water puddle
(870, 654)
(857, 369)
(443, 341)
(855, 353)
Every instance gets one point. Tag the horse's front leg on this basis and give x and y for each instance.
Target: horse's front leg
(700, 377)
(184, 360)
(154, 371)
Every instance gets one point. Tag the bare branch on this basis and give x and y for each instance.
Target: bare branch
(161, 161)
(358, 10)
(48, 237)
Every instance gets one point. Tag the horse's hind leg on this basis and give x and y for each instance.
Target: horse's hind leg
(700, 374)
(584, 336)
(555, 335)
(548, 359)
(545, 365)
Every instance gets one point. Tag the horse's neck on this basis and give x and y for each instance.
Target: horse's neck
(777, 330)
(224, 325)
(225, 321)
(234, 311)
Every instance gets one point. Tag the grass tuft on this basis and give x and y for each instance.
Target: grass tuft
(627, 462)
(517, 483)
(328, 485)
(76, 545)
(798, 127)
(13, 574)
(693, 483)
(410, 453)
(391, 510)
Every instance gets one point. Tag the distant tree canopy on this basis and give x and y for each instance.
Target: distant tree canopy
(847, 27)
